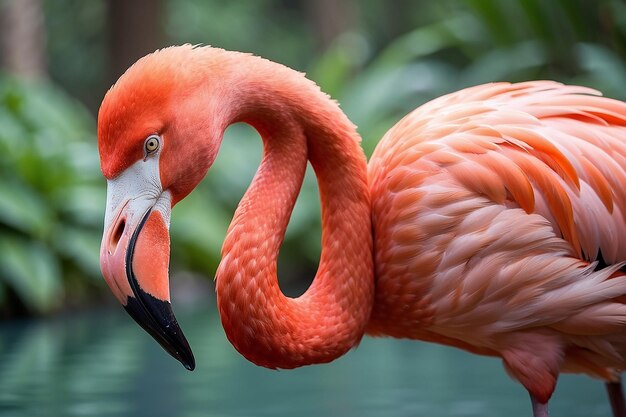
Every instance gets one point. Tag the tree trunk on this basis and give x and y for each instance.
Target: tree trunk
(23, 38)
(329, 19)
(136, 29)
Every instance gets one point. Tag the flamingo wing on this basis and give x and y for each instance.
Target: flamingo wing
(492, 207)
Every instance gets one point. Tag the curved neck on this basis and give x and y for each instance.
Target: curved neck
(297, 123)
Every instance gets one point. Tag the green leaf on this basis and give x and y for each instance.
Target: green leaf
(81, 246)
(605, 68)
(32, 271)
(23, 209)
(334, 68)
(505, 64)
(492, 15)
(83, 204)
(198, 222)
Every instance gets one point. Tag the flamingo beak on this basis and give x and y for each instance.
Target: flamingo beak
(134, 259)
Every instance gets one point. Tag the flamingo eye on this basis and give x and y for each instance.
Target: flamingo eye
(152, 144)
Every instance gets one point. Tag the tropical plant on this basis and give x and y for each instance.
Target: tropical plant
(50, 197)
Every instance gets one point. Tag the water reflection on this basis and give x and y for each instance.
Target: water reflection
(101, 364)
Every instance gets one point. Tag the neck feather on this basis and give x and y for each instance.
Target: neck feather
(297, 123)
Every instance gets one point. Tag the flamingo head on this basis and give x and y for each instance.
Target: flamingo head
(156, 141)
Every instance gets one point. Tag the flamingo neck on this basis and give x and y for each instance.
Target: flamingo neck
(297, 123)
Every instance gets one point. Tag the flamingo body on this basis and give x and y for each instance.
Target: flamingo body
(491, 207)
(498, 217)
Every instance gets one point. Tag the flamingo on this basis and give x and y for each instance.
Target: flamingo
(492, 219)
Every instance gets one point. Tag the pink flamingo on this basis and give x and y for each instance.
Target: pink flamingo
(498, 217)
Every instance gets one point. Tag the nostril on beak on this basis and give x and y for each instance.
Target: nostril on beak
(117, 235)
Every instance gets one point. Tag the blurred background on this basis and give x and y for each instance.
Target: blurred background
(379, 59)
(59, 57)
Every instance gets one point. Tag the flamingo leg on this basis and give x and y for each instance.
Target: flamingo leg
(539, 409)
(616, 398)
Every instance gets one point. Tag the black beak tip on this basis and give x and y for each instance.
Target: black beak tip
(191, 365)
(156, 318)
(185, 357)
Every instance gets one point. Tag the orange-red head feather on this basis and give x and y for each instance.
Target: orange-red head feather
(160, 95)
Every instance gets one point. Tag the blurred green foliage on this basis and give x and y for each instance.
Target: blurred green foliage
(51, 192)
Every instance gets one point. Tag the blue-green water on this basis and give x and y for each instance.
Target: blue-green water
(102, 364)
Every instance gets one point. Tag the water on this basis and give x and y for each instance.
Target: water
(101, 364)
